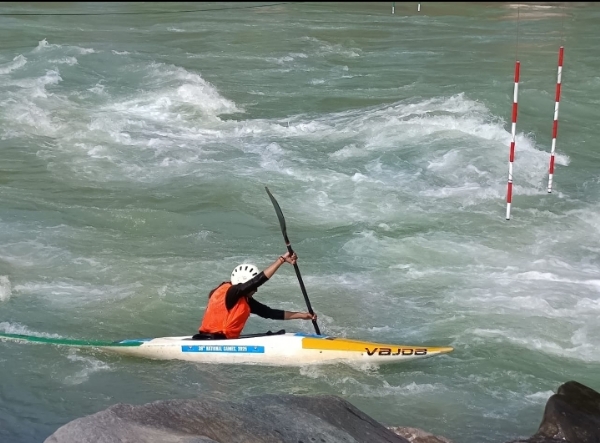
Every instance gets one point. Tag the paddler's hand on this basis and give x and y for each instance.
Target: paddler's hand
(308, 316)
(290, 258)
(291, 315)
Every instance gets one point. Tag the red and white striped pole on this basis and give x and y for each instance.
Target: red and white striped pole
(555, 124)
(512, 142)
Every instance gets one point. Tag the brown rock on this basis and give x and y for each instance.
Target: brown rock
(416, 435)
(572, 415)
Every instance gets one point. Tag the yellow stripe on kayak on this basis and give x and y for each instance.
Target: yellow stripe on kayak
(341, 344)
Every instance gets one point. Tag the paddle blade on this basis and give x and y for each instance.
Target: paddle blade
(279, 216)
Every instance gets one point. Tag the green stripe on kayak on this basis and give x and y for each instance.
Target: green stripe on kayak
(69, 342)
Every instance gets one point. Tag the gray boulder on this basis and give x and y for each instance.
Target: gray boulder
(262, 419)
(572, 415)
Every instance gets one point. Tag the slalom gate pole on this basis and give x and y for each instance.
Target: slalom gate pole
(512, 141)
(555, 123)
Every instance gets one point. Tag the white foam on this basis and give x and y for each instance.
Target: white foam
(97, 89)
(448, 160)
(589, 216)
(90, 366)
(35, 87)
(410, 389)
(44, 46)
(165, 106)
(548, 276)
(29, 111)
(17, 328)
(74, 292)
(5, 288)
(587, 305)
(540, 397)
(18, 62)
(298, 55)
(64, 61)
(84, 50)
(175, 87)
(176, 130)
(324, 48)
(583, 348)
(349, 151)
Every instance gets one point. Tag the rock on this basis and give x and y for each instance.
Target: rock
(572, 415)
(262, 419)
(415, 435)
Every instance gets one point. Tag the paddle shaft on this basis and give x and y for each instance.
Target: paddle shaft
(303, 289)
(281, 219)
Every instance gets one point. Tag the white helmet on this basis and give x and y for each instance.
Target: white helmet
(242, 273)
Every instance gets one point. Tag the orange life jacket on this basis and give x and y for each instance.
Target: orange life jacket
(218, 319)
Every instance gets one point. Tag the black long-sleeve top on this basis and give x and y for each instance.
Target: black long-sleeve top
(235, 292)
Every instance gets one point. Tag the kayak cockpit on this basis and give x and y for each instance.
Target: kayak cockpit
(206, 336)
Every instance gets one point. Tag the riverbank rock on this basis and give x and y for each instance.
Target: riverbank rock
(572, 415)
(415, 435)
(261, 419)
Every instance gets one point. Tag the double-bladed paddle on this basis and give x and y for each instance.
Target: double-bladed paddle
(291, 251)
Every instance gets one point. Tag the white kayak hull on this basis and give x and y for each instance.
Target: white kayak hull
(277, 350)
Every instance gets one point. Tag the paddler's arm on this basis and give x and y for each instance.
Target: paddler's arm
(264, 311)
(292, 315)
(291, 259)
(238, 291)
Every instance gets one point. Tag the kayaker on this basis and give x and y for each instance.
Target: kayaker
(231, 303)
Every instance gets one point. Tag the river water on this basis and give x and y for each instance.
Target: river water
(136, 140)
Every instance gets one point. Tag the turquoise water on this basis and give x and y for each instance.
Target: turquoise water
(135, 146)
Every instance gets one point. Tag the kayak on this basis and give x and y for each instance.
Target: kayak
(271, 349)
